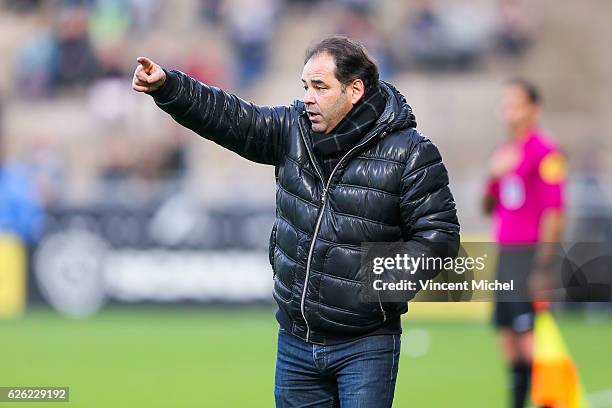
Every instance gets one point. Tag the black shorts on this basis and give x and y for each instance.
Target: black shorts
(516, 264)
(516, 316)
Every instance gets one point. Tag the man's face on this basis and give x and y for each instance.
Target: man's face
(327, 100)
(516, 108)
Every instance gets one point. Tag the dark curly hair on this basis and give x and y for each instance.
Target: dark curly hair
(532, 91)
(351, 57)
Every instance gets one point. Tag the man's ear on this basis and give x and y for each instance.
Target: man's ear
(358, 90)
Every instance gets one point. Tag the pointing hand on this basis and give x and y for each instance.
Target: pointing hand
(148, 76)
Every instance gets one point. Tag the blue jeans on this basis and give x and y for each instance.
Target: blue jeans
(355, 374)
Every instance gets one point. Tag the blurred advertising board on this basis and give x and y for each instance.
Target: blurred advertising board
(90, 257)
(12, 276)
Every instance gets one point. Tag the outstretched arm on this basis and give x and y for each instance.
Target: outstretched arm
(254, 132)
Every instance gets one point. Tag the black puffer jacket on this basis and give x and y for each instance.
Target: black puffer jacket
(392, 186)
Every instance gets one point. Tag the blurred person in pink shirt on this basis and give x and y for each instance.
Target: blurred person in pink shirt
(524, 194)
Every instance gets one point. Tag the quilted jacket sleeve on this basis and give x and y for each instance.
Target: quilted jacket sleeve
(427, 207)
(254, 132)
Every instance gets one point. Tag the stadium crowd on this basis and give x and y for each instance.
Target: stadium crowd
(82, 51)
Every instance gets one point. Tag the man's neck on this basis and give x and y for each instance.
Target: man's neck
(520, 132)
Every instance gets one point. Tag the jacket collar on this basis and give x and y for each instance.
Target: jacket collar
(397, 114)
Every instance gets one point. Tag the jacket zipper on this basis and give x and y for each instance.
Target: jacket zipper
(316, 230)
(382, 310)
(320, 218)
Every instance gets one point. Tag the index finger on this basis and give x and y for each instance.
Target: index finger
(146, 63)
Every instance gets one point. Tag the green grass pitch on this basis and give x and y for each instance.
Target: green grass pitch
(212, 357)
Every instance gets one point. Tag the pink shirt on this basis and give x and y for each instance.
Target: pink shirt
(536, 183)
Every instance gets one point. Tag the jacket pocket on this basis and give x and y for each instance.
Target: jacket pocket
(272, 246)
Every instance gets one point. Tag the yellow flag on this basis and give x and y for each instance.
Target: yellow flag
(555, 381)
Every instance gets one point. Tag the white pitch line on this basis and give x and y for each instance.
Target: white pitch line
(602, 398)
(597, 399)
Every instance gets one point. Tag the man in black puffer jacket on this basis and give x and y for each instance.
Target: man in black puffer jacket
(350, 168)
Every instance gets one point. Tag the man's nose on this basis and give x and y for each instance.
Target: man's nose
(309, 97)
